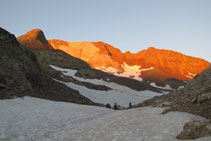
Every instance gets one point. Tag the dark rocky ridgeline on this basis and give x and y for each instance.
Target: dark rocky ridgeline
(21, 75)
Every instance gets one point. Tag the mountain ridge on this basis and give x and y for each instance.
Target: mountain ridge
(150, 65)
(171, 63)
(61, 59)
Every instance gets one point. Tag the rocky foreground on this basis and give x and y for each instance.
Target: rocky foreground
(194, 98)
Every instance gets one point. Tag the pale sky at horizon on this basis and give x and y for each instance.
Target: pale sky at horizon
(130, 25)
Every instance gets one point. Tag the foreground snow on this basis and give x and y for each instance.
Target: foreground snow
(119, 94)
(28, 118)
(24, 119)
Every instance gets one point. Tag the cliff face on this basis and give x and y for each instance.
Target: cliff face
(151, 64)
(34, 39)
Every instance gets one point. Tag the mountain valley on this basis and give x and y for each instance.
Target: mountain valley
(58, 90)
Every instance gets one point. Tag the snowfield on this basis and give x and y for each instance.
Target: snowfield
(122, 95)
(30, 119)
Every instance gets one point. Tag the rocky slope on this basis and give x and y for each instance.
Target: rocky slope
(63, 60)
(196, 95)
(157, 65)
(21, 75)
(194, 98)
(34, 39)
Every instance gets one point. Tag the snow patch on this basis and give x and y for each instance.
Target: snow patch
(190, 75)
(67, 72)
(119, 94)
(181, 87)
(167, 87)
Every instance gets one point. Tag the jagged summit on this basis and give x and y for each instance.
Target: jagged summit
(34, 39)
(151, 64)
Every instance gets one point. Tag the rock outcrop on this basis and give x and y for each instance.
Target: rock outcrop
(195, 129)
(34, 39)
(157, 65)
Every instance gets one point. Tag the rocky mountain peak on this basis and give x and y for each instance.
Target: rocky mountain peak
(151, 48)
(34, 39)
(37, 34)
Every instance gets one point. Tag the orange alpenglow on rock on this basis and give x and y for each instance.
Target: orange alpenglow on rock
(150, 64)
(34, 39)
(157, 65)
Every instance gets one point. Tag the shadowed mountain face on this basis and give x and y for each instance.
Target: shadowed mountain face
(152, 64)
(19, 68)
(34, 39)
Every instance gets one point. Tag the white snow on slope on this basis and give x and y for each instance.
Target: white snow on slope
(37, 119)
(190, 75)
(122, 95)
(30, 119)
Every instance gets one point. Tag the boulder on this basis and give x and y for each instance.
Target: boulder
(195, 129)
